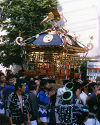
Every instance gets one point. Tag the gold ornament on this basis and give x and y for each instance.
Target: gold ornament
(90, 46)
(54, 14)
(48, 38)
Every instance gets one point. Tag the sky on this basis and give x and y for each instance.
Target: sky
(83, 21)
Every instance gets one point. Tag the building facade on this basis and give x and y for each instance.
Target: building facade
(93, 70)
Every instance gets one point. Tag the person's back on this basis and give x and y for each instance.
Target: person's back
(67, 86)
(33, 105)
(69, 113)
(66, 110)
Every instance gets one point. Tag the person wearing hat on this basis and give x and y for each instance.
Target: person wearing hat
(17, 105)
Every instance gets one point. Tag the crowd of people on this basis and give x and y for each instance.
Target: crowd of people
(25, 100)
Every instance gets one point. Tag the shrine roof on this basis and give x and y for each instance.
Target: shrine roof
(48, 39)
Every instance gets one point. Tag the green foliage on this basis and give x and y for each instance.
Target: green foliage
(83, 69)
(10, 54)
(22, 15)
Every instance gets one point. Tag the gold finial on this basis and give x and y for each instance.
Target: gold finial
(66, 31)
(52, 32)
(91, 37)
(54, 14)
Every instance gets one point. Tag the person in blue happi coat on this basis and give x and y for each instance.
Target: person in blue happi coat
(44, 101)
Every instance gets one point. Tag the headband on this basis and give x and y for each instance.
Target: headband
(69, 98)
(67, 84)
(23, 84)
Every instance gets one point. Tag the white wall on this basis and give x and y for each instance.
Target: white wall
(93, 70)
(82, 20)
(13, 67)
(2, 68)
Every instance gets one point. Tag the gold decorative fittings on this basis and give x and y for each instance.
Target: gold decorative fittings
(19, 41)
(48, 38)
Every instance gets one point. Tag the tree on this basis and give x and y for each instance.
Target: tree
(10, 54)
(21, 16)
(83, 69)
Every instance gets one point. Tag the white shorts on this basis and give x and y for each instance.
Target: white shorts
(44, 119)
(57, 119)
(33, 122)
(92, 121)
(2, 111)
